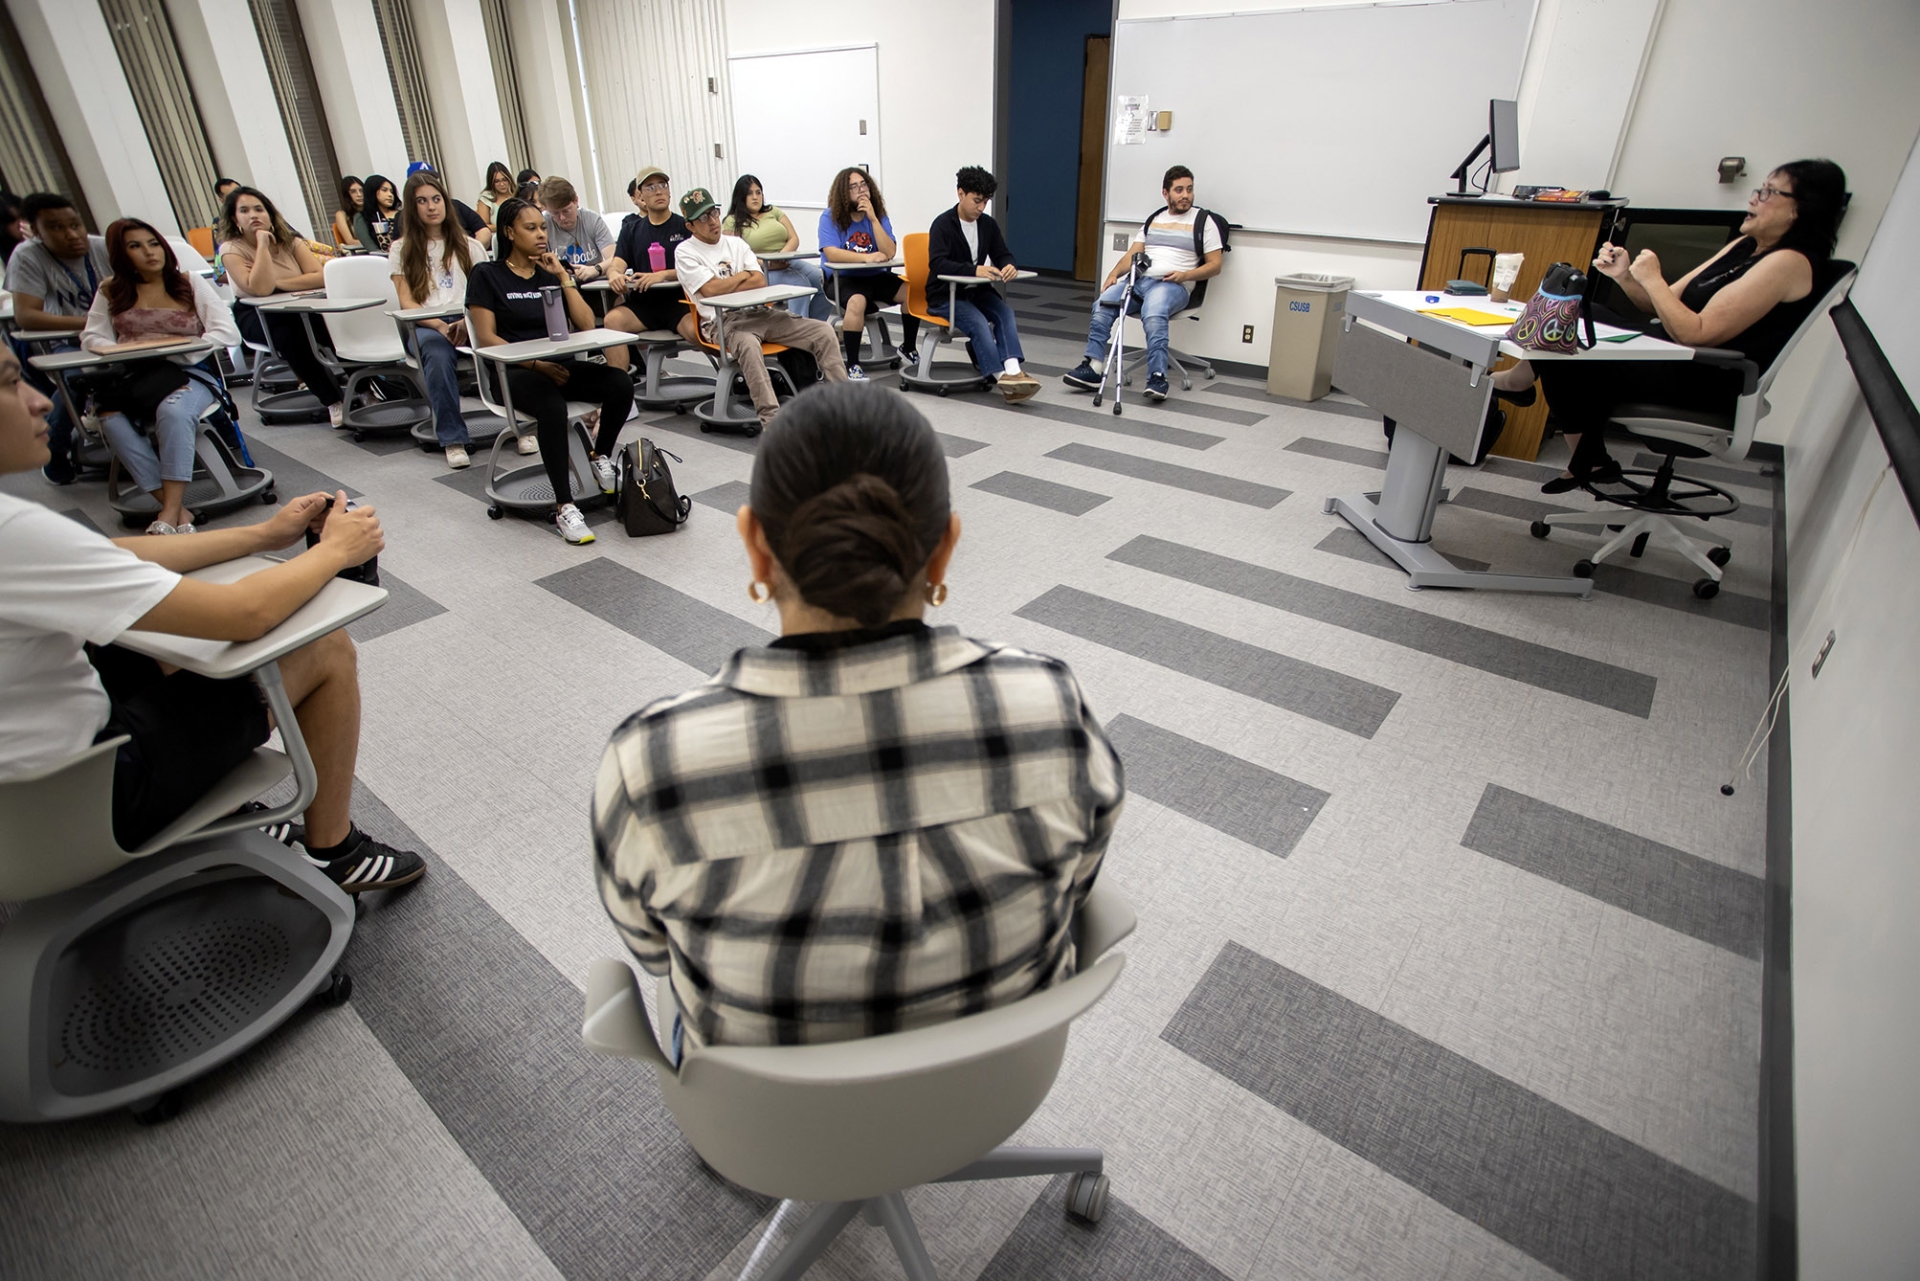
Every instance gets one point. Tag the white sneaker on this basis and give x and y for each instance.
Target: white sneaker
(336, 414)
(572, 525)
(457, 457)
(529, 444)
(855, 374)
(603, 472)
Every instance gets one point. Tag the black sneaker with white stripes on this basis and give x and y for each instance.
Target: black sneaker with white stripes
(371, 865)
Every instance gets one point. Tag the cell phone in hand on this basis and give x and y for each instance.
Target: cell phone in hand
(368, 571)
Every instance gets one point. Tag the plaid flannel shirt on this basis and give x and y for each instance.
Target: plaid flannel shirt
(820, 845)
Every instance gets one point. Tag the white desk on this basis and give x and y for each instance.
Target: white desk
(520, 353)
(745, 298)
(784, 256)
(1436, 391)
(1636, 345)
(956, 283)
(61, 363)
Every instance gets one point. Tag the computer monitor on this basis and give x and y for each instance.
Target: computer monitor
(1503, 126)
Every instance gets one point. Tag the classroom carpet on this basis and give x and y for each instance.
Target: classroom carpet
(1448, 963)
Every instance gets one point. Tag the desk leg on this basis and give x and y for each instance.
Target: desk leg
(1400, 524)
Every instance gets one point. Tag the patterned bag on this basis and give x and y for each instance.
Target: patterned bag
(1555, 314)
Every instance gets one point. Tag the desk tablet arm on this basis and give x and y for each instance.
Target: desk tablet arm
(1726, 358)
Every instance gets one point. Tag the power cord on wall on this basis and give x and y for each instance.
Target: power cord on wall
(1763, 730)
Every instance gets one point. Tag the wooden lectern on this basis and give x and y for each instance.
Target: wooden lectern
(1546, 233)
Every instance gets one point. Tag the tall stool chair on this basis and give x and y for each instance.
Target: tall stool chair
(851, 1125)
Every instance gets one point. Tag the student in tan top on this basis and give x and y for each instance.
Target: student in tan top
(263, 257)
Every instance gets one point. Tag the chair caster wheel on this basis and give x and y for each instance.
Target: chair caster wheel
(336, 991)
(905, 386)
(1706, 589)
(1720, 555)
(1540, 529)
(943, 393)
(1208, 373)
(269, 498)
(1087, 1196)
(1583, 569)
(495, 511)
(159, 1109)
(679, 409)
(359, 436)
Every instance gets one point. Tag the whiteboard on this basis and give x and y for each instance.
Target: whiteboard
(1320, 122)
(797, 120)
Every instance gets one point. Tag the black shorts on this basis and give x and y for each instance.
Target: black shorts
(657, 308)
(187, 733)
(878, 288)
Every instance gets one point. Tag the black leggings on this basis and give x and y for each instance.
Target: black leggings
(1582, 396)
(534, 393)
(291, 341)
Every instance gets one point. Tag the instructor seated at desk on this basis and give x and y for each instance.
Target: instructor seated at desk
(1750, 298)
(1169, 240)
(870, 824)
(62, 584)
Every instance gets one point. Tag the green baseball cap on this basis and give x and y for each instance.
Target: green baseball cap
(696, 203)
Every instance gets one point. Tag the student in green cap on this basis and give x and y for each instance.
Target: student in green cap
(711, 264)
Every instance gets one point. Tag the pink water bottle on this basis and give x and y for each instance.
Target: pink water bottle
(656, 256)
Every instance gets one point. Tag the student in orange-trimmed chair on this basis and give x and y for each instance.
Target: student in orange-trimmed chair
(966, 241)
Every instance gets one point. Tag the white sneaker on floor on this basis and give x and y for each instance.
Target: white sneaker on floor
(457, 457)
(603, 472)
(336, 414)
(572, 525)
(529, 444)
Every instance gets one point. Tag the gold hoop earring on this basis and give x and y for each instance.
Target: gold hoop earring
(754, 590)
(936, 594)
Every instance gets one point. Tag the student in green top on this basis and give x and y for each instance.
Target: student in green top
(767, 230)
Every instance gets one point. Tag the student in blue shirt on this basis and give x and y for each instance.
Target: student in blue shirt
(855, 234)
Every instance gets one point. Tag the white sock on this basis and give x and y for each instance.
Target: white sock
(1012, 366)
(1098, 366)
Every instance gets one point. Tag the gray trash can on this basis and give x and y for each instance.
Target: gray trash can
(1306, 324)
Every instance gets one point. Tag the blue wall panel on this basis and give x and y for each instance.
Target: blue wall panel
(1043, 152)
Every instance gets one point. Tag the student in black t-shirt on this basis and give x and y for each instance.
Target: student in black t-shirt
(633, 271)
(503, 305)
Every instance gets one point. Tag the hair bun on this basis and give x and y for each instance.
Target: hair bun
(852, 549)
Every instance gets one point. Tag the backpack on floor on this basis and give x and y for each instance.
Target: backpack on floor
(648, 502)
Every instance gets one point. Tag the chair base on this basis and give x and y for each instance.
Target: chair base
(220, 484)
(1641, 532)
(1176, 358)
(385, 417)
(526, 489)
(661, 390)
(726, 410)
(118, 992)
(943, 378)
(482, 428)
(1086, 1200)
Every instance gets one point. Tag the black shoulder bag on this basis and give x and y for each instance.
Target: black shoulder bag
(648, 501)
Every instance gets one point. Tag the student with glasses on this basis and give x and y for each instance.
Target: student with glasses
(1750, 298)
(855, 236)
(643, 258)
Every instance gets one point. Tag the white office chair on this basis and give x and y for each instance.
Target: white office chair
(1676, 433)
(1178, 359)
(127, 973)
(370, 348)
(853, 1124)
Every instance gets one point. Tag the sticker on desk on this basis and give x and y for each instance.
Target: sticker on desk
(1468, 316)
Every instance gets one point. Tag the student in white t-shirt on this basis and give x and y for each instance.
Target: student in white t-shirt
(1165, 288)
(67, 594)
(712, 263)
(430, 263)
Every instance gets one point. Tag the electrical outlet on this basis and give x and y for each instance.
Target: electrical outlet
(1120, 240)
(1246, 333)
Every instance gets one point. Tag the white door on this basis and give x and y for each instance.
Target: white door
(799, 119)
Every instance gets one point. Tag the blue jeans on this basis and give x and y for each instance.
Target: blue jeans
(987, 321)
(440, 364)
(1154, 301)
(804, 271)
(175, 424)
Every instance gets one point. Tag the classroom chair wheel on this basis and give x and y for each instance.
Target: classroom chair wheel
(1720, 555)
(1186, 383)
(1087, 1196)
(1208, 373)
(159, 1109)
(1706, 589)
(269, 498)
(679, 409)
(359, 436)
(336, 991)
(1540, 529)
(495, 511)
(943, 393)
(1583, 569)
(904, 385)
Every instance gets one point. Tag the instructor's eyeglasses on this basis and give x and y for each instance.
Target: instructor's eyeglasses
(1764, 194)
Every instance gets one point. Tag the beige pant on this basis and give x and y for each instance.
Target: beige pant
(746, 333)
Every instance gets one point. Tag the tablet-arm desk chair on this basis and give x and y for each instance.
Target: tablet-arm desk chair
(1675, 433)
(277, 396)
(937, 329)
(853, 1124)
(128, 973)
(730, 409)
(370, 348)
(885, 354)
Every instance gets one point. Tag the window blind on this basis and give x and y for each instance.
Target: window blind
(409, 79)
(143, 37)
(290, 68)
(32, 157)
(506, 79)
(656, 92)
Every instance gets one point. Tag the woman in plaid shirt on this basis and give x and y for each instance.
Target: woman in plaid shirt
(870, 824)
